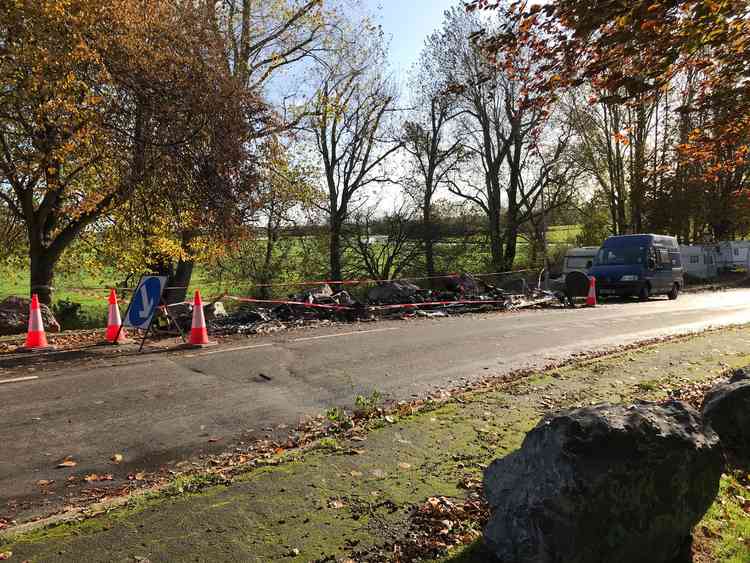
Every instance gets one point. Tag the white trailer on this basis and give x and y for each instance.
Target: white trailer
(700, 261)
(579, 259)
(734, 255)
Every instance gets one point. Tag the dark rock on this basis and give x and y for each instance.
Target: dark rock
(726, 409)
(740, 374)
(576, 284)
(393, 292)
(604, 483)
(14, 316)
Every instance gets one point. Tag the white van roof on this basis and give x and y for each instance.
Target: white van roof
(582, 251)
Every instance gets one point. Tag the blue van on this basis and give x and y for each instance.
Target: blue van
(638, 265)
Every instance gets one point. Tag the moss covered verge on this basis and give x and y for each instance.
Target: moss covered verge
(380, 495)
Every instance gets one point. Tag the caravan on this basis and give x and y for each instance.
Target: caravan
(734, 255)
(700, 261)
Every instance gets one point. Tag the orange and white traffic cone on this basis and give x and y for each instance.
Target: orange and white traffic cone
(198, 331)
(115, 333)
(591, 297)
(36, 339)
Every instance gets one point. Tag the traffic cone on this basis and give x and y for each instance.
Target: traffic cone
(115, 334)
(198, 331)
(36, 339)
(591, 297)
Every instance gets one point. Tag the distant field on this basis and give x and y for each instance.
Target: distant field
(90, 289)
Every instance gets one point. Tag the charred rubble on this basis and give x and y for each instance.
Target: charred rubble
(328, 303)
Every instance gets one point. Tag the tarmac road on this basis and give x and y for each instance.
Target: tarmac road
(162, 408)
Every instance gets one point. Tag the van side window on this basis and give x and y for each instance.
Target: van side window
(664, 261)
(695, 259)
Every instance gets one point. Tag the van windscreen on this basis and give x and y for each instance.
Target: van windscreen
(621, 255)
(578, 262)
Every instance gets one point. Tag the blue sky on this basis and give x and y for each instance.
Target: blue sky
(407, 23)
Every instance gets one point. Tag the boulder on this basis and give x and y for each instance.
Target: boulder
(14, 316)
(604, 483)
(393, 292)
(576, 284)
(726, 409)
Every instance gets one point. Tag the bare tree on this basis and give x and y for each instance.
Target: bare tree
(434, 153)
(501, 125)
(383, 246)
(352, 106)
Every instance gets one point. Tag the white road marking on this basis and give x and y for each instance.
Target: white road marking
(343, 334)
(19, 379)
(222, 350)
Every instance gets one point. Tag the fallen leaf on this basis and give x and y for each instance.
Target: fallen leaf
(212, 440)
(5, 555)
(390, 419)
(95, 477)
(404, 465)
(379, 473)
(356, 473)
(117, 458)
(335, 504)
(67, 462)
(45, 482)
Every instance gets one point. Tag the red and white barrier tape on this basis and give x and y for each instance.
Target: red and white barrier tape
(297, 303)
(368, 307)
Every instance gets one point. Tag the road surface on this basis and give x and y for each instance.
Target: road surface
(162, 408)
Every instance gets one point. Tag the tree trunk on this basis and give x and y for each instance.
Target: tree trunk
(267, 275)
(496, 242)
(429, 241)
(42, 273)
(179, 281)
(335, 249)
(511, 244)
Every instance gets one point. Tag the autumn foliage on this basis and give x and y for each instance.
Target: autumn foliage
(105, 100)
(630, 50)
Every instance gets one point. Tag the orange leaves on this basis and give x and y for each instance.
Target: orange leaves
(66, 463)
(93, 477)
(620, 138)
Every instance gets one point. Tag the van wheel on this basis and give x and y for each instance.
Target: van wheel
(645, 293)
(674, 293)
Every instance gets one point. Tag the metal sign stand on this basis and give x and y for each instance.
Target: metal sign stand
(153, 309)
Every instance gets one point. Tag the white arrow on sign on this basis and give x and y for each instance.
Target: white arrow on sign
(147, 303)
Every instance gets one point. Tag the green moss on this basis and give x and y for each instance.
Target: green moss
(727, 523)
(351, 496)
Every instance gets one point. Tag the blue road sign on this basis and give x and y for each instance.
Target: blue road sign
(146, 298)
